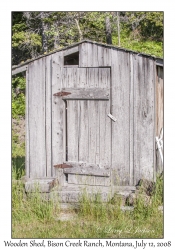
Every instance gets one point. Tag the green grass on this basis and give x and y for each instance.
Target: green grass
(141, 46)
(34, 217)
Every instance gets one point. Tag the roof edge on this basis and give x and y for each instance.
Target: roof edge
(159, 59)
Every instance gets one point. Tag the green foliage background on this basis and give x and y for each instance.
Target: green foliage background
(139, 31)
(35, 33)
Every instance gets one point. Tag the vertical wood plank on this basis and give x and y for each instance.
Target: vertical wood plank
(159, 100)
(72, 117)
(159, 112)
(83, 131)
(27, 121)
(104, 121)
(37, 119)
(92, 117)
(131, 121)
(48, 68)
(95, 55)
(120, 109)
(100, 55)
(57, 113)
(106, 56)
(143, 118)
(72, 130)
(83, 55)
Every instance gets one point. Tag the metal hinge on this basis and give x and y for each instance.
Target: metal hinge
(63, 165)
(62, 93)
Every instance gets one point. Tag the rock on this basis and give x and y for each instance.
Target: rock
(127, 208)
(146, 186)
(118, 199)
(132, 199)
(160, 208)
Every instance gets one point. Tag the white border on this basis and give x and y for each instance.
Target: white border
(5, 95)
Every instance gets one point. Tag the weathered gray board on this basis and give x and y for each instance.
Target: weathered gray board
(144, 99)
(120, 69)
(55, 122)
(36, 118)
(159, 112)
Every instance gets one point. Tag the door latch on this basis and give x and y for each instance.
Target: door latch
(112, 117)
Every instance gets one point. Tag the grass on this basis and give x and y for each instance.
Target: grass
(142, 46)
(34, 217)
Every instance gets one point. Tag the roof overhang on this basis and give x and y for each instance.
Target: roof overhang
(23, 67)
(19, 69)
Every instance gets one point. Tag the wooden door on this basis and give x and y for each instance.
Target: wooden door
(86, 94)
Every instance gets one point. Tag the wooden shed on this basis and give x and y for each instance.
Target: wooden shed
(92, 114)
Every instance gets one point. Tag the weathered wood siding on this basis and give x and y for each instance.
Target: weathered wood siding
(144, 118)
(57, 114)
(120, 70)
(79, 121)
(48, 114)
(88, 127)
(36, 119)
(133, 104)
(159, 111)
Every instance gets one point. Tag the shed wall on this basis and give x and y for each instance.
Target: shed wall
(132, 103)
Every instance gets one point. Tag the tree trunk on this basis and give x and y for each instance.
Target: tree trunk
(44, 36)
(118, 25)
(56, 36)
(79, 30)
(108, 31)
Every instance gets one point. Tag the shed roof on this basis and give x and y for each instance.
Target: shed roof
(158, 60)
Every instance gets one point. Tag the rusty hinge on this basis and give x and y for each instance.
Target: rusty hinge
(63, 165)
(62, 93)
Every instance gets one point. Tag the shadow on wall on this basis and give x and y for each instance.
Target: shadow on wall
(18, 167)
